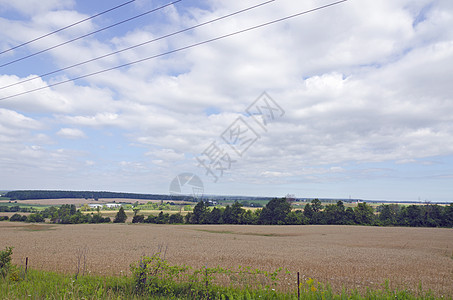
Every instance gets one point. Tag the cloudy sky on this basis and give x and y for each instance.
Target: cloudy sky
(358, 98)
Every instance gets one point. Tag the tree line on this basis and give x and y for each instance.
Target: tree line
(276, 212)
(279, 212)
(44, 194)
(65, 214)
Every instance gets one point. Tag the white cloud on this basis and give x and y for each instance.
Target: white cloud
(71, 133)
(361, 82)
(31, 7)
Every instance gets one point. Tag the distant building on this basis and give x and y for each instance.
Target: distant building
(95, 205)
(212, 203)
(108, 205)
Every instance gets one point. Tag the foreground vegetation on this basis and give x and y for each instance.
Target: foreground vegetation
(154, 278)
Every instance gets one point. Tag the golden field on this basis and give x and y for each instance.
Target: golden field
(349, 256)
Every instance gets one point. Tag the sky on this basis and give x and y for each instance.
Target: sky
(352, 100)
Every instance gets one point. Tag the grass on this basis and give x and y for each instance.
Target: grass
(21, 205)
(50, 285)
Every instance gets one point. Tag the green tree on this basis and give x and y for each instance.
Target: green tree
(249, 217)
(138, 219)
(227, 215)
(215, 216)
(35, 218)
(388, 214)
(162, 218)
(364, 214)
(200, 213)
(447, 216)
(316, 205)
(275, 212)
(432, 215)
(414, 216)
(295, 218)
(308, 212)
(120, 216)
(176, 219)
(335, 213)
(236, 212)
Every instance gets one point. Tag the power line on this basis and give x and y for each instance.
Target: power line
(137, 45)
(177, 50)
(66, 27)
(91, 33)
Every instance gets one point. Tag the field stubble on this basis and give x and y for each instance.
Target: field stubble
(345, 256)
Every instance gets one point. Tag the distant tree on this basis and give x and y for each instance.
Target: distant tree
(236, 212)
(275, 212)
(200, 213)
(151, 219)
(364, 214)
(162, 218)
(249, 217)
(316, 205)
(18, 218)
(35, 218)
(295, 218)
(121, 216)
(414, 216)
(215, 216)
(176, 219)
(138, 219)
(388, 214)
(308, 213)
(188, 218)
(334, 213)
(432, 215)
(227, 215)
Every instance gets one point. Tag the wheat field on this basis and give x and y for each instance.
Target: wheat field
(344, 256)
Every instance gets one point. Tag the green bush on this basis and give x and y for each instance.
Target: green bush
(18, 218)
(5, 261)
(35, 218)
(138, 219)
(121, 216)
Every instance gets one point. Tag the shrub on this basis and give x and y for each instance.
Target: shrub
(138, 219)
(5, 261)
(35, 218)
(176, 218)
(120, 216)
(151, 219)
(18, 218)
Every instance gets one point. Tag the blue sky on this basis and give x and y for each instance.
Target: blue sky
(363, 88)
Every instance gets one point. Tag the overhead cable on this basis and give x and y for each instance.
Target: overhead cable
(66, 27)
(177, 50)
(137, 45)
(91, 33)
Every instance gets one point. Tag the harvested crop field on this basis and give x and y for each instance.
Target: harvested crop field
(349, 256)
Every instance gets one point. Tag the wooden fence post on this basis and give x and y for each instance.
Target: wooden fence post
(26, 265)
(298, 286)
